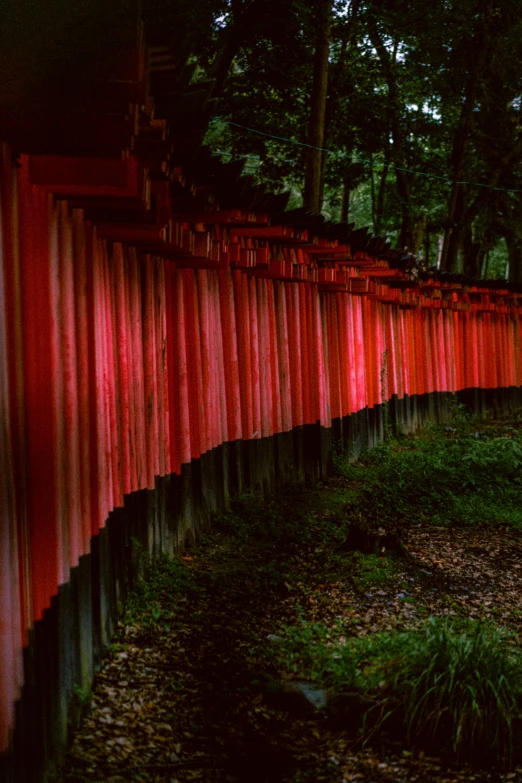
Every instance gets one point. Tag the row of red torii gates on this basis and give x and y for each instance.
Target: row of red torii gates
(160, 351)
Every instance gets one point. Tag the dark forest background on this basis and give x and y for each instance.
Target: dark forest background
(396, 91)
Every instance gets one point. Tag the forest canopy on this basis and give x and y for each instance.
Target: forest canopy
(417, 109)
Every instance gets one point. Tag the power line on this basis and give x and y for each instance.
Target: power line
(366, 160)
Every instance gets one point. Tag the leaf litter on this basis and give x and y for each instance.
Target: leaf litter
(188, 691)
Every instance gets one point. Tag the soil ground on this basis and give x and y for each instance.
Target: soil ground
(186, 692)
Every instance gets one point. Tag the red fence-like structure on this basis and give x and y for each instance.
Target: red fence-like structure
(121, 365)
(170, 336)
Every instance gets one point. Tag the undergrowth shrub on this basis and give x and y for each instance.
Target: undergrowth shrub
(460, 686)
(449, 683)
(161, 582)
(461, 478)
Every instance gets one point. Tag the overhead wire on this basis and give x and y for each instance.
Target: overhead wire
(355, 159)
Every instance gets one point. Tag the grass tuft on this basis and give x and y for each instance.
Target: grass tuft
(447, 684)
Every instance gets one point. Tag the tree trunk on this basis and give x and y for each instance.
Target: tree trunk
(387, 61)
(514, 246)
(427, 248)
(406, 240)
(372, 183)
(484, 274)
(449, 258)
(241, 28)
(453, 244)
(312, 190)
(345, 208)
(379, 210)
(418, 232)
(473, 253)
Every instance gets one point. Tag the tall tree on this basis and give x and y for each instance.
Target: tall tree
(316, 126)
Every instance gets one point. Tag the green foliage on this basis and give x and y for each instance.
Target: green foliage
(372, 570)
(306, 651)
(277, 523)
(161, 584)
(460, 685)
(83, 695)
(448, 683)
(465, 477)
(402, 121)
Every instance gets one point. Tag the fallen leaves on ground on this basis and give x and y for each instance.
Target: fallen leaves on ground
(178, 698)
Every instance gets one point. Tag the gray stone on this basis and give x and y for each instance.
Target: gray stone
(314, 696)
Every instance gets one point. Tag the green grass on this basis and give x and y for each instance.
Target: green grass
(153, 600)
(448, 684)
(445, 478)
(368, 570)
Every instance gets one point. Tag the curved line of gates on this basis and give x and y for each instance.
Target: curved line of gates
(119, 367)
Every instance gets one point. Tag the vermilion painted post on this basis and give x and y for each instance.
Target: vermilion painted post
(163, 464)
(114, 391)
(283, 355)
(292, 302)
(349, 348)
(302, 316)
(420, 350)
(244, 354)
(222, 379)
(275, 370)
(123, 366)
(230, 356)
(150, 372)
(10, 259)
(11, 596)
(254, 379)
(171, 349)
(206, 401)
(265, 381)
(333, 356)
(135, 296)
(321, 358)
(182, 380)
(39, 384)
(198, 435)
(307, 363)
(359, 355)
(81, 296)
(71, 424)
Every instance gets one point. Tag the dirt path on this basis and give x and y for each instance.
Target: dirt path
(187, 693)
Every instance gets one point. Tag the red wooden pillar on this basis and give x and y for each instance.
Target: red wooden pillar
(322, 361)
(221, 379)
(244, 353)
(254, 378)
(275, 370)
(181, 382)
(263, 341)
(13, 556)
(70, 455)
(344, 354)
(82, 293)
(198, 435)
(40, 379)
(332, 338)
(230, 356)
(206, 401)
(359, 354)
(172, 367)
(283, 354)
(350, 354)
(292, 303)
(163, 455)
